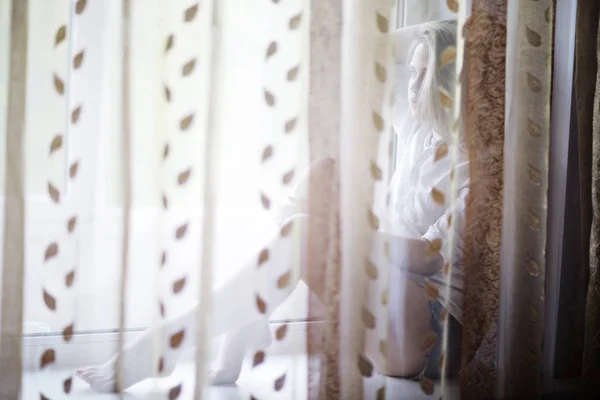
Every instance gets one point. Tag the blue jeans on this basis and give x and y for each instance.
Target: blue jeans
(432, 368)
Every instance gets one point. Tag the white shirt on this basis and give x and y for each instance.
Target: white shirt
(414, 214)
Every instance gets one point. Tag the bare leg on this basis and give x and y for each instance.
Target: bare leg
(236, 312)
(234, 305)
(408, 333)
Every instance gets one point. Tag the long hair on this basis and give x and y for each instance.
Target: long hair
(436, 37)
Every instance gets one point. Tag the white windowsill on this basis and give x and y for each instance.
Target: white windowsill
(86, 349)
(257, 382)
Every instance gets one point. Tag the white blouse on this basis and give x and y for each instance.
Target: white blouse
(414, 214)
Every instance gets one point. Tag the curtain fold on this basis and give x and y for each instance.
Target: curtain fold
(126, 181)
(591, 355)
(324, 105)
(366, 77)
(13, 251)
(520, 361)
(485, 63)
(586, 94)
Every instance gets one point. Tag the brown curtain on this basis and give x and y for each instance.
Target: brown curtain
(587, 98)
(485, 66)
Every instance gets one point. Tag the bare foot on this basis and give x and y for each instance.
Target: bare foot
(139, 363)
(232, 350)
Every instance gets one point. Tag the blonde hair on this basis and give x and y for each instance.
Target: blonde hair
(436, 37)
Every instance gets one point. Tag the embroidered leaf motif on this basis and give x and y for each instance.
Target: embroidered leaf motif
(284, 280)
(452, 5)
(266, 203)
(179, 285)
(50, 301)
(186, 122)
(56, 143)
(51, 251)
(290, 125)
(371, 270)
(177, 339)
(382, 23)
(426, 386)
(181, 231)
(279, 383)
(259, 358)
(368, 318)
(448, 56)
(78, 59)
(190, 13)
(292, 74)
(175, 392)
(269, 98)
(434, 247)
(61, 35)
(533, 37)
(288, 177)
(263, 257)
(432, 291)
(184, 176)
(438, 196)
(80, 6)
(170, 42)
(271, 50)
(429, 341)
(380, 73)
(73, 170)
(377, 121)
(365, 367)
(286, 229)
(59, 85)
(69, 279)
(260, 305)
(295, 22)
(47, 358)
(67, 385)
(188, 67)
(53, 192)
(441, 151)
(75, 115)
(281, 332)
(267, 153)
(68, 333)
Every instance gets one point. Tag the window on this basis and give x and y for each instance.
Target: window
(243, 226)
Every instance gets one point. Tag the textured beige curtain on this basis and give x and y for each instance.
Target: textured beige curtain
(485, 71)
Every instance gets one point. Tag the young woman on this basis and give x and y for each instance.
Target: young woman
(415, 220)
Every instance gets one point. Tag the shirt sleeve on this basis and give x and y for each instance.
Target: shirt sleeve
(453, 220)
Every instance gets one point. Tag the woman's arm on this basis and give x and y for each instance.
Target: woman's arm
(403, 39)
(412, 255)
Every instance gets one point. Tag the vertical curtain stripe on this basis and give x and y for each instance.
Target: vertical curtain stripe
(11, 319)
(209, 192)
(323, 237)
(521, 308)
(456, 131)
(126, 182)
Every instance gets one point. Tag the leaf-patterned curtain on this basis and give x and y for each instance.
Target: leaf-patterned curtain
(327, 186)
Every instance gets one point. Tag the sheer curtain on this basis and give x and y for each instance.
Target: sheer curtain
(150, 146)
